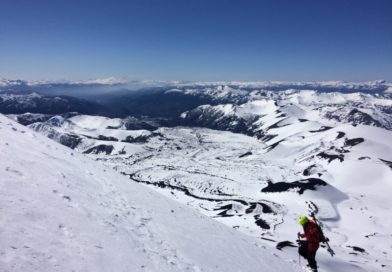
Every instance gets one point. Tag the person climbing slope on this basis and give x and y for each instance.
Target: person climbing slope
(309, 247)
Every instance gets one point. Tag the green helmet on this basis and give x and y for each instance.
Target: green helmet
(302, 220)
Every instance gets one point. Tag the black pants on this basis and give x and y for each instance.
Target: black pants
(310, 256)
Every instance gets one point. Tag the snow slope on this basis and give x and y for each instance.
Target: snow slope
(331, 151)
(331, 108)
(260, 187)
(61, 211)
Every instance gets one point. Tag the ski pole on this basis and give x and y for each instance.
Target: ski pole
(299, 244)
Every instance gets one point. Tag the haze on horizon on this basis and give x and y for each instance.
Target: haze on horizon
(206, 40)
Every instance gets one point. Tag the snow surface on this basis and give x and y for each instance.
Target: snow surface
(340, 139)
(61, 211)
(214, 175)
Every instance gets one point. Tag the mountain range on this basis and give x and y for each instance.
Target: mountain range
(253, 156)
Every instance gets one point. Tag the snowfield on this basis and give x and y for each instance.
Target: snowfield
(61, 211)
(251, 159)
(261, 187)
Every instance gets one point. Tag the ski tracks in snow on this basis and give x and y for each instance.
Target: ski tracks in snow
(139, 223)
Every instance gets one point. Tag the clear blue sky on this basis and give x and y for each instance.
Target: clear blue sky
(197, 40)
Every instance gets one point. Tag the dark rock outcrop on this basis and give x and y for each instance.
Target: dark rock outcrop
(106, 149)
(301, 186)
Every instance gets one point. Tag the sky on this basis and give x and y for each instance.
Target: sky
(211, 40)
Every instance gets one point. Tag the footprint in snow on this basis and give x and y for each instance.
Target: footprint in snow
(67, 197)
(17, 172)
(66, 231)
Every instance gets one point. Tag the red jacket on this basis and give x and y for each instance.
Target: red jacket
(312, 235)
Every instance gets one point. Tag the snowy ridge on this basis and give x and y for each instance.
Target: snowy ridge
(329, 108)
(62, 211)
(94, 134)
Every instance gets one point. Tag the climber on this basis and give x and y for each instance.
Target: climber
(308, 248)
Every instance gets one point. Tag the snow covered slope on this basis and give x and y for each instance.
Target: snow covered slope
(61, 211)
(330, 108)
(329, 151)
(260, 186)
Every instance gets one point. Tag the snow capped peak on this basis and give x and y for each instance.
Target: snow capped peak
(220, 86)
(105, 81)
(257, 107)
(389, 90)
(226, 109)
(32, 83)
(7, 82)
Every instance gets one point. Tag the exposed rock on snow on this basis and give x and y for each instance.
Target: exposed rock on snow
(299, 186)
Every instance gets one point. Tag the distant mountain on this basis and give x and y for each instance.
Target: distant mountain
(11, 103)
(120, 98)
(252, 117)
(119, 84)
